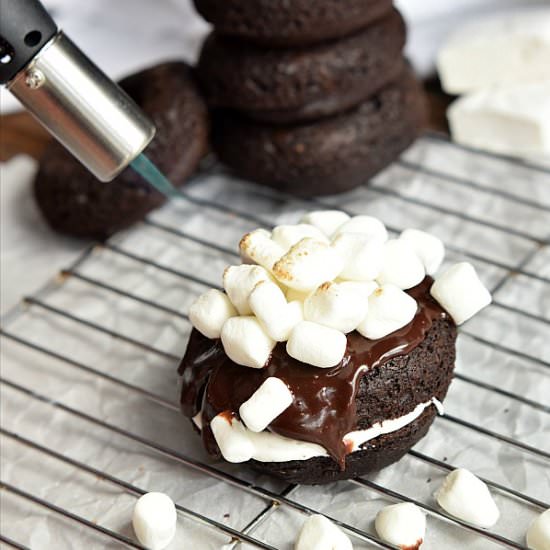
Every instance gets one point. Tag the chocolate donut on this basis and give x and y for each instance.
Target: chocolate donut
(281, 86)
(282, 23)
(331, 155)
(74, 202)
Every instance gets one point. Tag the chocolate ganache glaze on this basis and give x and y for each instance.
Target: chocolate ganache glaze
(324, 406)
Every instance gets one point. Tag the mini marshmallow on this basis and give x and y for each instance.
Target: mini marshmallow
(363, 256)
(401, 266)
(538, 534)
(269, 304)
(258, 247)
(239, 281)
(245, 342)
(154, 520)
(287, 236)
(466, 497)
(232, 438)
(316, 344)
(389, 310)
(319, 533)
(341, 306)
(266, 404)
(428, 248)
(210, 311)
(367, 225)
(327, 221)
(460, 292)
(308, 264)
(402, 524)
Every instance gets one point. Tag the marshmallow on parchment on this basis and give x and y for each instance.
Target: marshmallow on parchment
(258, 247)
(210, 311)
(327, 221)
(319, 533)
(341, 306)
(538, 534)
(269, 304)
(232, 438)
(389, 309)
(316, 344)
(363, 256)
(288, 235)
(154, 520)
(245, 342)
(239, 281)
(400, 266)
(403, 525)
(266, 404)
(308, 264)
(367, 225)
(466, 497)
(460, 292)
(428, 248)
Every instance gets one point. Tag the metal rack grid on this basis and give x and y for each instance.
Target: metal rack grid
(162, 283)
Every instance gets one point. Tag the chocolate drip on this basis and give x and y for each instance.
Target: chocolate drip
(324, 407)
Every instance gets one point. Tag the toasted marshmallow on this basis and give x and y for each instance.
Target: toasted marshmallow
(341, 306)
(232, 438)
(402, 524)
(239, 281)
(259, 248)
(363, 256)
(210, 311)
(389, 310)
(287, 236)
(269, 304)
(460, 291)
(367, 225)
(327, 221)
(400, 266)
(245, 342)
(466, 497)
(308, 264)
(154, 520)
(266, 404)
(316, 344)
(538, 534)
(428, 248)
(319, 533)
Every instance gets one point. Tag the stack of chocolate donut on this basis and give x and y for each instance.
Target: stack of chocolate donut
(308, 97)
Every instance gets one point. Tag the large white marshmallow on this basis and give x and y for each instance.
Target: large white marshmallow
(363, 256)
(239, 281)
(341, 306)
(466, 497)
(400, 265)
(246, 342)
(266, 404)
(460, 291)
(319, 533)
(269, 304)
(287, 236)
(427, 247)
(154, 520)
(210, 311)
(258, 247)
(367, 225)
(308, 264)
(316, 344)
(538, 534)
(327, 221)
(232, 438)
(389, 310)
(402, 524)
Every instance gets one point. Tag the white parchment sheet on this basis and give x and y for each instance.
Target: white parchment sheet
(492, 212)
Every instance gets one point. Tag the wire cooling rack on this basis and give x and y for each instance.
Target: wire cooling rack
(90, 418)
